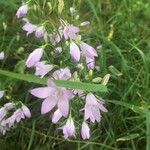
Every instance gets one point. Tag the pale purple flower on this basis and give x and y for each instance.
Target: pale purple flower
(58, 49)
(70, 31)
(34, 57)
(22, 11)
(74, 52)
(26, 111)
(85, 131)
(1, 94)
(69, 128)
(18, 115)
(93, 108)
(10, 121)
(62, 74)
(56, 116)
(42, 69)
(2, 55)
(29, 27)
(90, 62)
(88, 50)
(53, 96)
(40, 31)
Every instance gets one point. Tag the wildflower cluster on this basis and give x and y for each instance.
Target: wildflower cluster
(55, 99)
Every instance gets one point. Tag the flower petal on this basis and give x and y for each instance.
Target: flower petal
(74, 52)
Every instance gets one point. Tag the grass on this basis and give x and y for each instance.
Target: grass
(122, 27)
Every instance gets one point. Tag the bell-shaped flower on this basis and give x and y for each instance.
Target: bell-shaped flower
(69, 128)
(34, 57)
(53, 96)
(74, 52)
(39, 32)
(3, 127)
(62, 74)
(26, 111)
(2, 55)
(29, 27)
(42, 69)
(90, 62)
(85, 131)
(70, 31)
(93, 108)
(22, 11)
(87, 50)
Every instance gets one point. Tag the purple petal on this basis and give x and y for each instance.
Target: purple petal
(90, 62)
(74, 52)
(85, 131)
(42, 92)
(56, 116)
(1, 55)
(22, 11)
(26, 111)
(48, 104)
(88, 50)
(34, 57)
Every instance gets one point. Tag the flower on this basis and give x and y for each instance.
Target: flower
(34, 57)
(22, 11)
(3, 113)
(42, 69)
(93, 107)
(39, 32)
(70, 31)
(53, 96)
(69, 128)
(74, 52)
(85, 131)
(90, 62)
(29, 27)
(1, 55)
(62, 74)
(88, 50)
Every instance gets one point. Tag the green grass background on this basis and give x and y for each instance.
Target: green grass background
(126, 56)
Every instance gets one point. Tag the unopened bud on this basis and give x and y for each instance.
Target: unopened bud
(105, 79)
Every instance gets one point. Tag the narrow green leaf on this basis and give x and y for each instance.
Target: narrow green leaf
(62, 83)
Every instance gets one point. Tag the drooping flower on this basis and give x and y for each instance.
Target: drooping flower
(62, 74)
(90, 62)
(74, 52)
(85, 131)
(93, 108)
(39, 32)
(42, 69)
(22, 11)
(88, 51)
(3, 127)
(1, 55)
(53, 96)
(29, 27)
(69, 128)
(3, 113)
(34, 57)
(70, 31)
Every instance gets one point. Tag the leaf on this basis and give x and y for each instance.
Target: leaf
(61, 83)
(60, 6)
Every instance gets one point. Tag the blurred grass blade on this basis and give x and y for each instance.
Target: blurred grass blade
(128, 137)
(32, 135)
(60, 6)
(66, 84)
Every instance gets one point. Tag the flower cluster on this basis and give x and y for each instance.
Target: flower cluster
(58, 99)
(11, 114)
